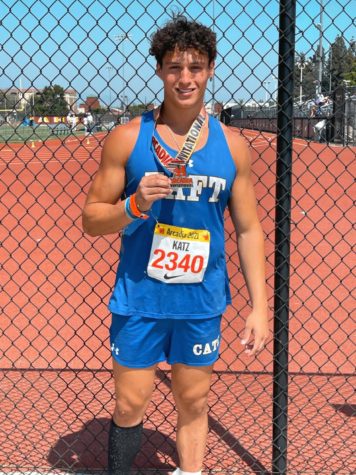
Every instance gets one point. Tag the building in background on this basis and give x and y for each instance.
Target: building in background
(91, 103)
(71, 98)
(21, 100)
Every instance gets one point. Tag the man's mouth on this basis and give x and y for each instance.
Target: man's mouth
(184, 91)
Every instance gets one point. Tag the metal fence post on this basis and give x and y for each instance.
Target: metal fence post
(282, 235)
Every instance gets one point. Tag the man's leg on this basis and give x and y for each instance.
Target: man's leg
(133, 390)
(190, 386)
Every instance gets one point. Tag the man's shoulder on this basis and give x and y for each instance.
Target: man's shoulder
(128, 130)
(238, 146)
(235, 140)
(121, 140)
(232, 132)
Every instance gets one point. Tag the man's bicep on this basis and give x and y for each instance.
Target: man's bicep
(107, 185)
(242, 205)
(109, 181)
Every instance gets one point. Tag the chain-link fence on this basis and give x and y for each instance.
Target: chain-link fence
(61, 60)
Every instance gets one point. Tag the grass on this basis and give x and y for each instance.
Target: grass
(19, 133)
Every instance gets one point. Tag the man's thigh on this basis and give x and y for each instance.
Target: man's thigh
(133, 386)
(195, 342)
(191, 383)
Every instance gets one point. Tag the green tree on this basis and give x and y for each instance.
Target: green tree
(341, 62)
(351, 76)
(51, 102)
(338, 65)
(308, 75)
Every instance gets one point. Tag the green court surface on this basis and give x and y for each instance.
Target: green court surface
(19, 133)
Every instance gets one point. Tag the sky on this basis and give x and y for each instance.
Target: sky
(100, 47)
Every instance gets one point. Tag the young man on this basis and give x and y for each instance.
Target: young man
(172, 285)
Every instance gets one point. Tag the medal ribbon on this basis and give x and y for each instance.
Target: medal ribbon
(183, 156)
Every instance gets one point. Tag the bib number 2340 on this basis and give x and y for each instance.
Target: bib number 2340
(178, 255)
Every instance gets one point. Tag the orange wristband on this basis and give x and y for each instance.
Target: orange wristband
(134, 209)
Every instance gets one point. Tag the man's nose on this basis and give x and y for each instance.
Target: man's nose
(185, 76)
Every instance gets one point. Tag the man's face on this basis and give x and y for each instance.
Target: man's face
(185, 75)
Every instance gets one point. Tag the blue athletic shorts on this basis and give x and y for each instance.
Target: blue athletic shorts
(139, 342)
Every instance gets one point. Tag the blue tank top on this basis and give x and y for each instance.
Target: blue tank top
(200, 207)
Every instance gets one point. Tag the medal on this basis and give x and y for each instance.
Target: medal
(180, 178)
(177, 166)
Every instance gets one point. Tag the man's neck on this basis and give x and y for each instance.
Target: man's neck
(179, 121)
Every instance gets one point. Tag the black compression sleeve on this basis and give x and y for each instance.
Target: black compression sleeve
(124, 444)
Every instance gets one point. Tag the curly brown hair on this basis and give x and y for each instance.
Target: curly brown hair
(183, 34)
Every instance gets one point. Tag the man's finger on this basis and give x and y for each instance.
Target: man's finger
(246, 336)
(156, 180)
(258, 345)
(144, 190)
(262, 345)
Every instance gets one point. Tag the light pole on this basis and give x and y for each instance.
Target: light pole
(120, 39)
(301, 64)
(274, 89)
(266, 84)
(330, 68)
(319, 26)
(124, 103)
(213, 78)
(109, 70)
(14, 106)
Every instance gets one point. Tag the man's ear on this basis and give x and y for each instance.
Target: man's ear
(159, 70)
(211, 69)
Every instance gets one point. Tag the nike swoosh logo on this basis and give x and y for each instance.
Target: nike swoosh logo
(168, 277)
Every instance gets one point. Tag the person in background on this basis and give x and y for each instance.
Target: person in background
(71, 121)
(89, 123)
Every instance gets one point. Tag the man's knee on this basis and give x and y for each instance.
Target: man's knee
(130, 409)
(191, 404)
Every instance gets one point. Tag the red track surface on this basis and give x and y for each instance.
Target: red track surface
(56, 283)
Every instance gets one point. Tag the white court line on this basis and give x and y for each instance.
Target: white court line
(273, 140)
(258, 141)
(261, 140)
(264, 149)
(301, 143)
(256, 144)
(263, 144)
(259, 144)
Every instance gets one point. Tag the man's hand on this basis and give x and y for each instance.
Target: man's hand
(152, 188)
(256, 325)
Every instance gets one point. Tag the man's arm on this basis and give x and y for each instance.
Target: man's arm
(103, 212)
(250, 240)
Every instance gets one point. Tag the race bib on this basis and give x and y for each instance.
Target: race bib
(179, 255)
